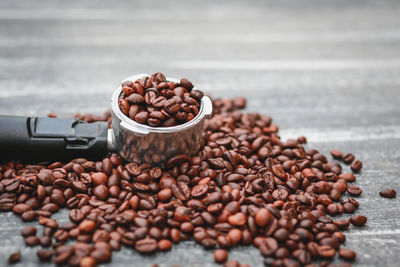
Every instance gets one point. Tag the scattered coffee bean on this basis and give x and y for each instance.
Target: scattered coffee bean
(146, 245)
(220, 255)
(88, 262)
(388, 193)
(14, 257)
(356, 165)
(348, 158)
(45, 254)
(358, 220)
(28, 231)
(347, 254)
(337, 154)
(32, 241)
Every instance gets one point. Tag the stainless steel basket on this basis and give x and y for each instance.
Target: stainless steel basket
(141, 143)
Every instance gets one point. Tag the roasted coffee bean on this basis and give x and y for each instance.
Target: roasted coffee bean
(181, 191)
(32, 241)
(358, 220)
(87, 226)
(99, 178)
(88, 262)
(356, 165)
(220, 255)
(45, 254)
(388, 193)
(14, 257)
(101, 255)
(263, 217)
(186, 83)
(101, 192)
(354, 190)
(142, 117)
(197, 94)
(28, 231)
(21, 208)
(232, 263)
(268, 246)
(135, 99)
(348, 158)
(199, 190)
(326, 252)
(164, 244)
(45, 241)
(165, 194)
(147, 245)
(347, 254)
(337, 154)
(28, 216)
(238, 219)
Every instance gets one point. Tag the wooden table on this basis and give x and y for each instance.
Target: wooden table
(329, 70)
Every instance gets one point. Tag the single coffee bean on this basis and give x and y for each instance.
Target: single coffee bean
(142, 117)
(135, 99)
(220, 255)
(99, 178)
(358, 220)
(164, 244)
(101, 192)
(354, 190)
(45, 254)
(347, 254)
(21, 208)
(88, 262)
(356, 166)
(101, 255)
(388, 193)
(28, 231)
(147, 245)
(268, 246)
(186, 83)
(197, 94)
(165, 194)
(45, 241)
(87, 226)
(238, 219)
(240, 103)
(326, 252)
(28, 216)
(232, 263)
(14, 257)
(32, 241)
(337, 154)
(263, 217)
(348, 158)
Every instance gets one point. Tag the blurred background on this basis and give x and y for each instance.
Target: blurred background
(329, 70)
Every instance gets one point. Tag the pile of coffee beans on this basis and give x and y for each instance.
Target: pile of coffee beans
(157, 102)
(245, 187)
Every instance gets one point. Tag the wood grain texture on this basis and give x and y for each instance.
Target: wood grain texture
(329, 70)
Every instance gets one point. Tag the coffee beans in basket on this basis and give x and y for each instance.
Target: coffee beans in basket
(156, 102)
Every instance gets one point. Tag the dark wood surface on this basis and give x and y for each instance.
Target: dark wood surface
(329, 70)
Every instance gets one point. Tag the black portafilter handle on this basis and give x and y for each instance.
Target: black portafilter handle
(51, 139)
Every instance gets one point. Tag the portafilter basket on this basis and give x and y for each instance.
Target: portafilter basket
(141, 143)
